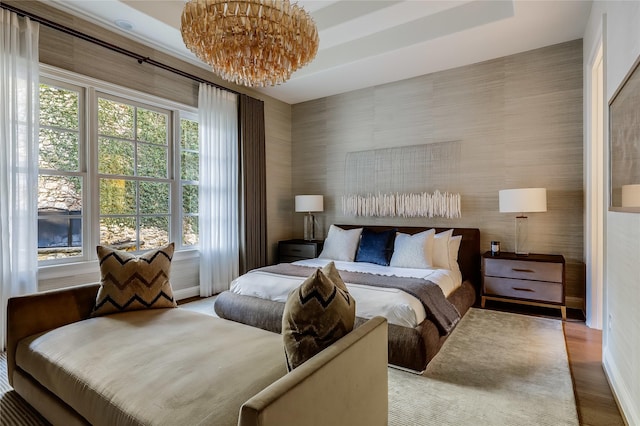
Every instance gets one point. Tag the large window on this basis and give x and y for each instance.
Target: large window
(133, 174)
(122, 172)
(62, 172)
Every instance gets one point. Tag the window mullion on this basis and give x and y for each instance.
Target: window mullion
(176, 187)
(93, 190)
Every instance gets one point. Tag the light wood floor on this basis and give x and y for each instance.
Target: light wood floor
(596, 405)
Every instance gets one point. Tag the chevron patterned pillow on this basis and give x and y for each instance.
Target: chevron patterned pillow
(131, 282)
(316, 314)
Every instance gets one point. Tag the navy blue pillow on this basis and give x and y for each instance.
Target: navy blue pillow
(376, 247)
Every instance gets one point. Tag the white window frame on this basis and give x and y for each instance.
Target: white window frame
(171, 169)
(82, 163)
(177, 169)
(53, 269)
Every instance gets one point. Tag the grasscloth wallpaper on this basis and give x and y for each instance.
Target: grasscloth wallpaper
(518, 120)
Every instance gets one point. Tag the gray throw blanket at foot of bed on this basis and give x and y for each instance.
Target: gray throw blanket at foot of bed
(438, 308)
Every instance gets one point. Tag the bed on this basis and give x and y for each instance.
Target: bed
(420, 315)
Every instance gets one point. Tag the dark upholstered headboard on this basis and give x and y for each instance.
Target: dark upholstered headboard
(468, 255)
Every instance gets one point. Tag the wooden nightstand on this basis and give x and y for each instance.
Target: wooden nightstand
(536, 279)
(292, 250)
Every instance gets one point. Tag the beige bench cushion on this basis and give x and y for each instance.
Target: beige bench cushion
(142, 367)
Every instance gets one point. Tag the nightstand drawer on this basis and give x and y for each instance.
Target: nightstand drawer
(549, 292)
(524, 270)
(303, 251)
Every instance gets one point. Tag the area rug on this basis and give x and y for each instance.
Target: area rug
(14, 411)
(496, 368)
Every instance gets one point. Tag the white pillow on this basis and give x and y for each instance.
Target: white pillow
(413, 251)
(341, 244)
(441, 249)
(454, 247)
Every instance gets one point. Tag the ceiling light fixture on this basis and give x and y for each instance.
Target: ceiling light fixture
(250, 42)
(123, 24)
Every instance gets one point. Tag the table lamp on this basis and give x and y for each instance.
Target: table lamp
(522, 200)
(309, 204)
(631, 195)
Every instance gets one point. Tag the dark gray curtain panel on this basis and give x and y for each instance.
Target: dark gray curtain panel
(253, 197)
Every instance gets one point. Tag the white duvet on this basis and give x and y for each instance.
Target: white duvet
(397, 306)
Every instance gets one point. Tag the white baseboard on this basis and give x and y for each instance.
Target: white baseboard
(185, 293)
(628, 408)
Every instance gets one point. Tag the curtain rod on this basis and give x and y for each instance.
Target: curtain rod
(141, 59)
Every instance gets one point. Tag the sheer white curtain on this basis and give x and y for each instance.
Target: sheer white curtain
(218, 204)
(18, 159)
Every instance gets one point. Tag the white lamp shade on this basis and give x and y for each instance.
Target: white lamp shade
(309, 203)
(631, 195)
(523, 200)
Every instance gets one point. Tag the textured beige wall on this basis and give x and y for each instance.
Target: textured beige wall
(279, 204)
(73, 54)
(617, 23)
(519, 120)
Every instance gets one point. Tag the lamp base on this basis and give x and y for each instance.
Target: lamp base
(309, 227)
(522, 237)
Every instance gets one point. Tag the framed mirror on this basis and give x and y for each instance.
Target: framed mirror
(624, 144)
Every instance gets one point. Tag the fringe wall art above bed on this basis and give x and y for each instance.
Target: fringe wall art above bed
(424, 204)
(404, 181)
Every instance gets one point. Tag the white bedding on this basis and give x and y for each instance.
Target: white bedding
(397, 306)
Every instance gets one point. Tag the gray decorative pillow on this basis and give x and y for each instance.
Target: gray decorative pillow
(316, 314)
(131, 282)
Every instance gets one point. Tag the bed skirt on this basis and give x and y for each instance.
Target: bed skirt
(409, 348)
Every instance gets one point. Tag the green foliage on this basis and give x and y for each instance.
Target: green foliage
(58, 108)
(115, 157)
(152, 126)
(117, 196)
(59, 126)
(190, 198)
(190, 166)
(115, 119)
(58, 150)
(189, 171)
(154, 197)
(189, 134)
(132, 141)
(152, 161)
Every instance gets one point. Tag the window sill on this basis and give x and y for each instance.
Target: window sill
(61, 270)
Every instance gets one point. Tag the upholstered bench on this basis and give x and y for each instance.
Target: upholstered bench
(174, 366)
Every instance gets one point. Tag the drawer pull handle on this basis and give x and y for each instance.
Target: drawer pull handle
(523, 289)
(522, 270)
(296, 250)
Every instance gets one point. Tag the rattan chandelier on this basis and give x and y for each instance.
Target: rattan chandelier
(250, 42)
